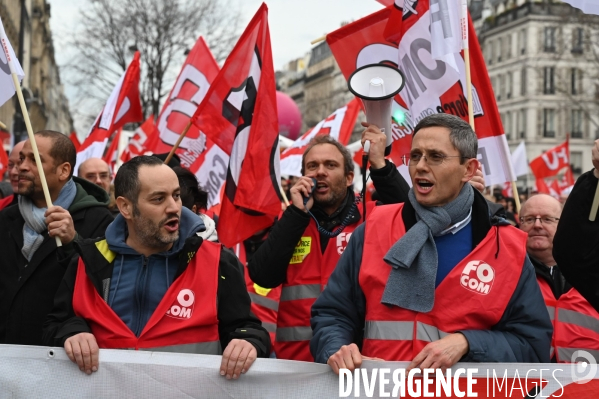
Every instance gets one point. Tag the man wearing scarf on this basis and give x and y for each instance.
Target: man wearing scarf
(443, 280)
(31, 265)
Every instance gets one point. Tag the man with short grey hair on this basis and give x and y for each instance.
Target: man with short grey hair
(443, 280)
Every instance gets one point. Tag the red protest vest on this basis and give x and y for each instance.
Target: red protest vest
(473, 296)
(307, 275)
(575, 324)
(265, 301)
(184, 321)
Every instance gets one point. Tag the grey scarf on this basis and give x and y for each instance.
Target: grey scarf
(35, 222)
(411, 283)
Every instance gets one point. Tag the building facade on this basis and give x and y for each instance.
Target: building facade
(543, 66)
(27, 25)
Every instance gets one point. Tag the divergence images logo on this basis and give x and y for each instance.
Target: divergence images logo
(183, 307)
(584, 367)
(478, 277)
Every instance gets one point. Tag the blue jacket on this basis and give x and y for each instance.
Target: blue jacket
(140, 280)
(523, 333)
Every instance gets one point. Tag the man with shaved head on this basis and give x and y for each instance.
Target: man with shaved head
(575, 322)
(96, 171)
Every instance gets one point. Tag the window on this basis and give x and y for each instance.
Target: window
(576, 161)
(507, 125)
(549, 40)
(522, 41)
(521, 116)
(576, 124)
(523, 82)
(501, 87)
(548, 122)
(491, 52)
(508, 47)
(548, 75)
(577, 40)
(499, 49)
(508, 85)
(575, 81)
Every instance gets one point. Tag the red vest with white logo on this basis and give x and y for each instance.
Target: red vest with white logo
(473, 296)
(575, 324)
(184, 321)
(265, 301)
(307, 275)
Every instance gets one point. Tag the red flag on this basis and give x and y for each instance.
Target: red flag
(144, 134)
(75, 140)
(339, 125)
(432, 86)
(111, 154)
(196, 76)
(123, 106)
(239, 114)
(3, 163)
(552, 161)
(507, 190)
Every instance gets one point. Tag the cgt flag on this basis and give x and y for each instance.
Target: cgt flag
(75, 140)
(552, 161)
(339, 125)
(123, 106)
(239, 114)
(8, 64)
(143, 135)
(402, 37)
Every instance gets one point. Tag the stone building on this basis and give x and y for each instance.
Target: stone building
(27, 25)
(543, 66)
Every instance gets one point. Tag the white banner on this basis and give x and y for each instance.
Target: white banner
(42, 372)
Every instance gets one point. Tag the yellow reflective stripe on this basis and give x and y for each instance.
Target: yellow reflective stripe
(567, 354)
(270, 327)
(102, 246)
(551, 311)
(428, 333)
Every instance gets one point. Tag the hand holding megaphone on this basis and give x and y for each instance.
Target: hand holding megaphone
(377, 142)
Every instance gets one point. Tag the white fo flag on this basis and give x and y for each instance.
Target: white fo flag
(8, 65)
(445, 30)
(519, 160)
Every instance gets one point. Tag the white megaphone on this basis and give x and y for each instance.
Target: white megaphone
(376, 85)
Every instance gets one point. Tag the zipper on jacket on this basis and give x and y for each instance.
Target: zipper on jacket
(140, 294)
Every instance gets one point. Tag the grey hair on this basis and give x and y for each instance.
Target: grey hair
(461, 135)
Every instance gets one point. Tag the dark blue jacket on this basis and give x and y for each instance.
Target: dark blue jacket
(523, 333)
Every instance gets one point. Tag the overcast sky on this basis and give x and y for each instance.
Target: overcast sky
(293, 24)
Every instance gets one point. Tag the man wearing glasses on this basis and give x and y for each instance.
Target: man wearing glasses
(575, 321)
(441, 281)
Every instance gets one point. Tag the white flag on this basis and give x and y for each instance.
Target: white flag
(445, 31)
(519, 160)
(8, 64)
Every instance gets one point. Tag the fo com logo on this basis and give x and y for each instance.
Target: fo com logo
(183, 307)
(478, 277)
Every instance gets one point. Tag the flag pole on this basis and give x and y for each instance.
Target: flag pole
(36, 153)
(595, 205)
(464, 28)
(178, 143)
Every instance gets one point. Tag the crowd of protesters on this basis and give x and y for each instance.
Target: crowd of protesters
(436, 273)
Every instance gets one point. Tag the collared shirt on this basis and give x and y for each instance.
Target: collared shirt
(458, 226)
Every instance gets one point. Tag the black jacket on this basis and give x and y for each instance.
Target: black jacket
(268, 266)
(576, 241)
(27, 288)
(234, 316)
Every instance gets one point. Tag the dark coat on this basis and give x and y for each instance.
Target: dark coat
(27, 288)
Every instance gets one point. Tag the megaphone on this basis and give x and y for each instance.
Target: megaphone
(376, 85)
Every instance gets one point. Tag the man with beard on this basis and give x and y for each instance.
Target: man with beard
(304, 246)
(153, 284)
(31, 266)
(13, 174)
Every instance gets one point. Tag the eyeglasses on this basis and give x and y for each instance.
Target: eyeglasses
(546, 220)
(433, 159)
